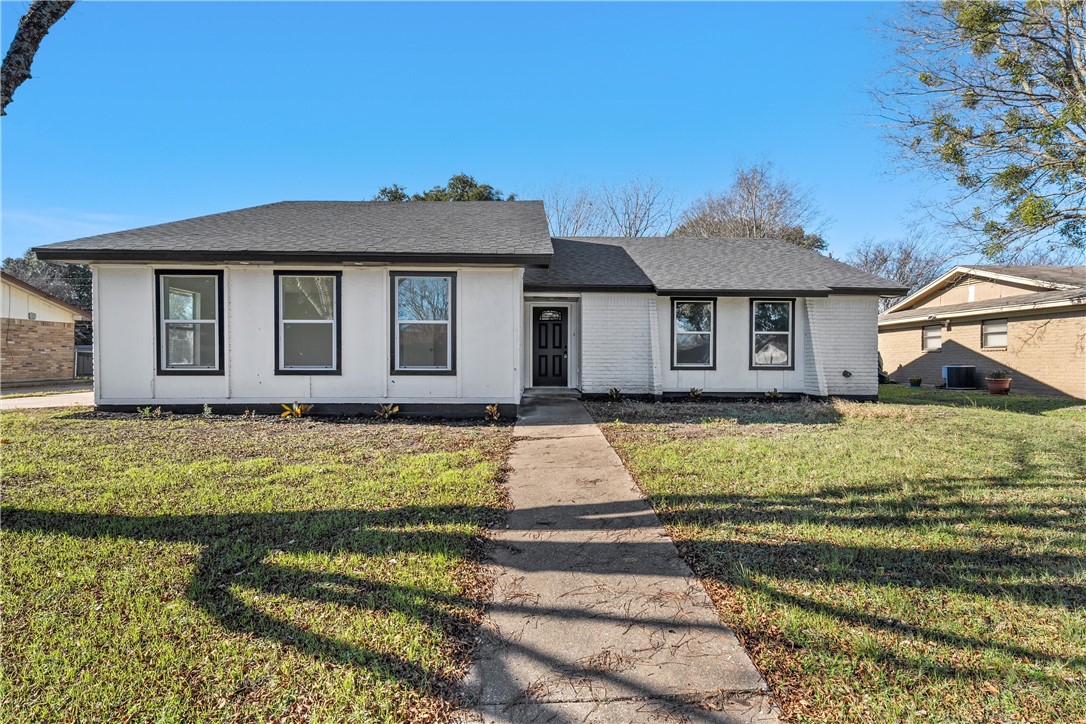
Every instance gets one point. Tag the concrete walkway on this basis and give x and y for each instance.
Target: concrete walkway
(594, 615)
(68, 399)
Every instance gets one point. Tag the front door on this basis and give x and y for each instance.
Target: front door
(550, 347)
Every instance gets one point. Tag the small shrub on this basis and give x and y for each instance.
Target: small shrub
(695, 392)
(295, 410)
(915, 381)
(999, 375)
(614, 393)
(386, 412)
(774, 394)
(144, 411)
(492, 412)
(207, 410)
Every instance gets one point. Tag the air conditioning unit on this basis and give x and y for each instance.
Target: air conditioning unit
(960, 377)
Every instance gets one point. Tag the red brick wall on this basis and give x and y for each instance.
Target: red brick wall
(32, 350)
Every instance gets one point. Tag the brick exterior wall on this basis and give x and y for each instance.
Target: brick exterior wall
(1046, 353)
(618, 343)
(842, 337)
(33, 350)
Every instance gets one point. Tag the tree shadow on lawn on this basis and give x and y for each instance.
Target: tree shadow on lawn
(236, 546)
(235, 549)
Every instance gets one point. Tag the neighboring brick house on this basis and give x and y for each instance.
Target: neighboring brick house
(37, 334)
(1028, 320)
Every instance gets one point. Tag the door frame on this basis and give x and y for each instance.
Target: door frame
(573, 340)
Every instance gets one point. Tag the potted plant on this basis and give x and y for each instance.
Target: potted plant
(915, 381)
(999, 382)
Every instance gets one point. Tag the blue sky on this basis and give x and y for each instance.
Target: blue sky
(140, 113)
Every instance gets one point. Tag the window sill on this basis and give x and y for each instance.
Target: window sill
(994, 349)
(431, 373)
(205, 373)
(779, 368)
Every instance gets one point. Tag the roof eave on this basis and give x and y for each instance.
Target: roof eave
(984, 311)
(88, 256)
(743, 292)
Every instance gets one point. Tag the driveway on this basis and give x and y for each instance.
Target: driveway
(594, 614)
(68, 399)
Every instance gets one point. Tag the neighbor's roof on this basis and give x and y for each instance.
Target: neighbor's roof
(694, 265)
(1074, 276)
(512, 232)
(1019, 302)
(31, 289)
(1041, 277)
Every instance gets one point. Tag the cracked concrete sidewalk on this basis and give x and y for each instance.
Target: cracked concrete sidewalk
(594, 615)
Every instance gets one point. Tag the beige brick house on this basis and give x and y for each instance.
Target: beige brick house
(37, 334)
(1028, 320)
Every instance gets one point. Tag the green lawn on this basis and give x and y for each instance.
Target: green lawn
(919, 559)
(187, 569)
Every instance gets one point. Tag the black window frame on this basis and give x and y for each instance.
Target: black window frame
(394, 352)
(160, 349)
(675, 301)
(791, 302)
(337, 323)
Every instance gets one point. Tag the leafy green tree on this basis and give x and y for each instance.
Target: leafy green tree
(460, 187)
(992, 96)
(68, 282)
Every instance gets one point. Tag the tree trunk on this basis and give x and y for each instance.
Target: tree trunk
(35, 25)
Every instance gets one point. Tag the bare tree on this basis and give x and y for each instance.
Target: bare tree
(639, 207)
(911, 261)
(991, 96)
(574, 212)
(33, 27)
(758, 205)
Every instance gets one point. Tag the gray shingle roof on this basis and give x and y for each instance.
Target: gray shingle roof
(1075, 296)
(1075, 275)
(494, 231)
(699, 266)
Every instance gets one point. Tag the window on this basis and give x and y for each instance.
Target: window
(692, 334)
(931, 338)
(993, 333)
(307, 322)
(771, 333)
(189, 324)
(423, 337)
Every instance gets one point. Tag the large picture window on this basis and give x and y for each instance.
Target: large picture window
(423, 335)
(307, 318)
(189, 322)
(772, 335)
(693, 323)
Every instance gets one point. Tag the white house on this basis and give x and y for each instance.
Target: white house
(443, 308)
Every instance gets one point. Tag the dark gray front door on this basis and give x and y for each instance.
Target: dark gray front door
(550, 347)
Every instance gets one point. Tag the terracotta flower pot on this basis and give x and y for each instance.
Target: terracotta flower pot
(998, 386)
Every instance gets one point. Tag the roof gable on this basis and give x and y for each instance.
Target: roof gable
(43, 296)
(1041, 278)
